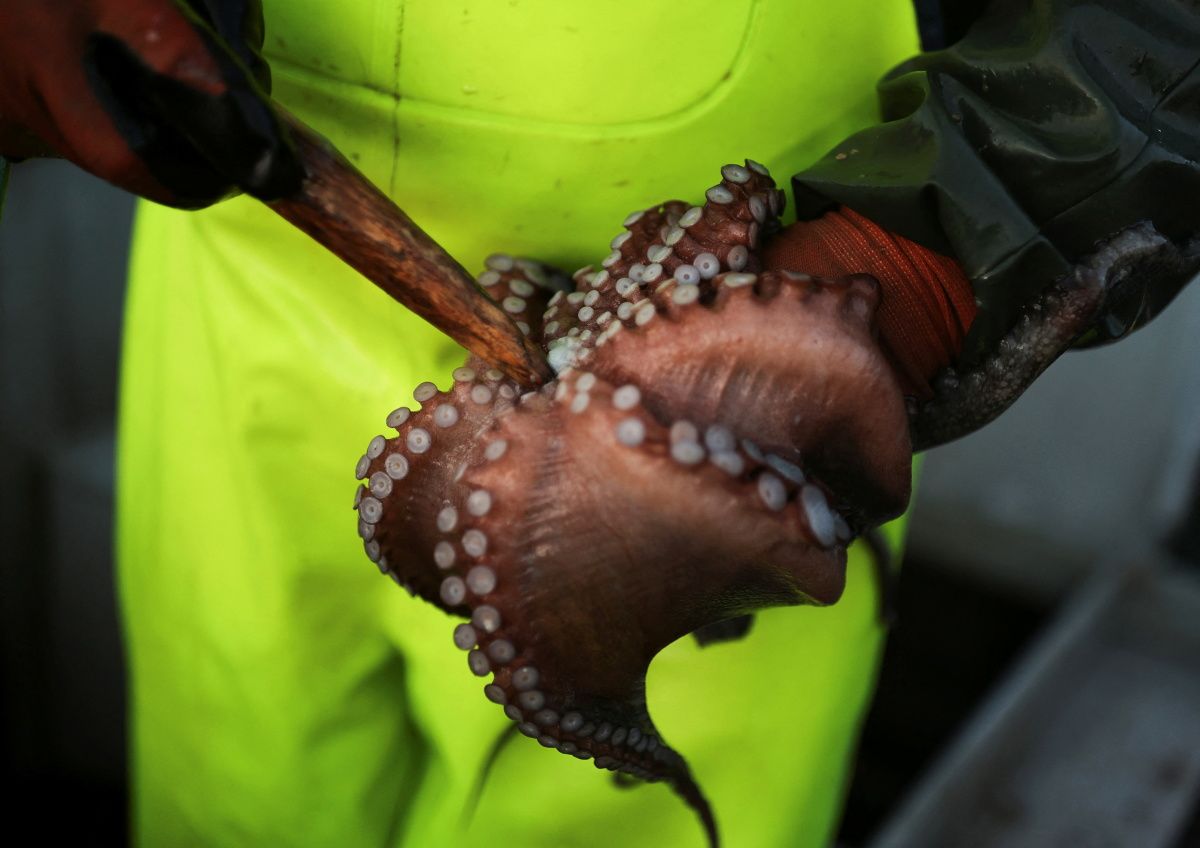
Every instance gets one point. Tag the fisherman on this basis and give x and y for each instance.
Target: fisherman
(281, 692)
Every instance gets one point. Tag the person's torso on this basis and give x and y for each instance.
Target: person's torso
(534, 126)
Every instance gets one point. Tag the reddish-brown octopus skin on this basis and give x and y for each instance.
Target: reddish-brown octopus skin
(717, 434)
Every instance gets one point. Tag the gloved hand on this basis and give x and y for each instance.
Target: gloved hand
(166, 99)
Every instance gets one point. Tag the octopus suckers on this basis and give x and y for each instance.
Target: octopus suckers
(841, 529)
(381, 484)
(479, 503)
(447, 519)
(687, 453)
(719, 194)
(772, 492)
(526, 677)
(465, 637)
(729, 462)
(481, 580)
(486, 618)
(444, 555)
(586, 382)
(786, 469)
(475, 543)
(502, 651)
(418, 440)
(371, 510)
(735, 174)
(626, 397)
(631, 432)
(684, 295)
(819, 515)
(396, 466)
(397, 417)
(453, 591)
(446, 415)
(707, 264)
(478, 663)
(684, 431)
(499, 262)
(532, 699)
(718, 437)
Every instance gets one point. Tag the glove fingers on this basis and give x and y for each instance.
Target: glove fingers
(239, 23)
(198, 139)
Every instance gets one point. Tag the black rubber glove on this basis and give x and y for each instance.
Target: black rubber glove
(167, 99)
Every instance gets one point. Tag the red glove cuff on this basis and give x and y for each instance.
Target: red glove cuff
(927, 305)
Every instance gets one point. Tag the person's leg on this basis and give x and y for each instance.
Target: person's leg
(268, 706)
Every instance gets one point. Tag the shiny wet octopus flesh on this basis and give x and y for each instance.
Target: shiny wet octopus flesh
(717, 434)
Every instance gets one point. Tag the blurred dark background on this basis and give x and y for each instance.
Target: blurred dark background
(1044, 675)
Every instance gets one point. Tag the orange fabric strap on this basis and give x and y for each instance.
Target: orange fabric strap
(927, 305)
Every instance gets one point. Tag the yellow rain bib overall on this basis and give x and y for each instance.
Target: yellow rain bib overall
(283, 692)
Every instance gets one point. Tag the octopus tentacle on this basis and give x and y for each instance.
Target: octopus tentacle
(553, 522)
(522, 287)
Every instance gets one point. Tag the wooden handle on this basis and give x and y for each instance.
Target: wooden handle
(341, 209)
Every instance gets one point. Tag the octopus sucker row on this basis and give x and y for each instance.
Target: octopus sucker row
(675, 240)
(745, 469)
(522, 287)
(717, 433)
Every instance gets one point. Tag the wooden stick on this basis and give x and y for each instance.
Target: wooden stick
(341, 209)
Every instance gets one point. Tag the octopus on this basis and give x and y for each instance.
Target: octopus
(717, 434)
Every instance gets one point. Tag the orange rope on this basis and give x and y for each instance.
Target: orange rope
(927, 304)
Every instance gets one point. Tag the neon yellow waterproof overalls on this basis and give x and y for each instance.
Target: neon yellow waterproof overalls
(283, 692)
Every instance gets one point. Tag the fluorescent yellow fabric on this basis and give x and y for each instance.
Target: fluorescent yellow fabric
(283, 693)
